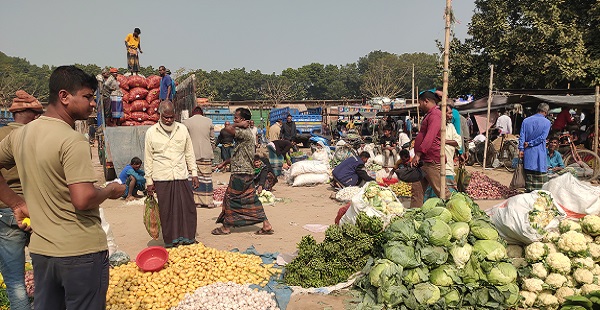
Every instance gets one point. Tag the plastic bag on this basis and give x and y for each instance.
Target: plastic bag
(518, 179)
(575, 197)
(463, 177)
(152, 217)
(511, 218)
(110, 238)
(358, 204)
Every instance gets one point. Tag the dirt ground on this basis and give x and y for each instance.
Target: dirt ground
(300, 206)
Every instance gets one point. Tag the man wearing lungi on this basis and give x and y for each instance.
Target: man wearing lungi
(169, 155)
(133, 46)
(532, 147)
(202, 133)
(241, 206)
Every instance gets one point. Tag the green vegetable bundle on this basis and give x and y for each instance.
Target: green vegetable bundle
(446, 255)
(345, 251)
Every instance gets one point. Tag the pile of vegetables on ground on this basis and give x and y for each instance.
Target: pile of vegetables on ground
(29, 287)
(437, 257)
(227, 296)
(564, 263)
(219, 193)
(401, 189)
(189, 268)
(346, 193)
(382, 199)
(266, 197)
(483, 187)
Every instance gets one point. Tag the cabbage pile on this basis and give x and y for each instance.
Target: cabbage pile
(564, 263)
(266, 197)
(443, 255)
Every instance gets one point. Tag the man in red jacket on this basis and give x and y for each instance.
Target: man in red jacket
(427, 148)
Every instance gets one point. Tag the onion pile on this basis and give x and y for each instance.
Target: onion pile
(483, 187)
(227, 296)
(219, 193)
(29, 283)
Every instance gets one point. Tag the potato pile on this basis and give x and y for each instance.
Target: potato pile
(189, 267)
(401, 189)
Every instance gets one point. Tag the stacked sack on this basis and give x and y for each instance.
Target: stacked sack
(140, 99)
(308, 172)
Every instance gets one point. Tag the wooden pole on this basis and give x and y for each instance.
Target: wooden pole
(444, 99)
(418, 113)
(597, 112)
(487, 121)
(413, 90)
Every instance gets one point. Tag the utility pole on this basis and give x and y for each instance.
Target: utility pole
(444, 100)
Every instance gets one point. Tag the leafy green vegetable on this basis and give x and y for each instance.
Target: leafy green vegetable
(461, 254)
(490, 249)
(435, 231)
(426, 293)
(402, 254)
(401, 230)
(460, 230)
(432, 203)
(503, 273)
(444, 275)
(415, 275)
(385, 272)
(439, 213)
(433, 255)
(483, 230)
(391, 295)
(453, 298)
(459, 208)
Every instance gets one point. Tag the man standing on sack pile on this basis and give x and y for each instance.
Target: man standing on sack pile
(532, 148)
(427, 149)
(168, 156)
(25, 108)
(202, 132)
(68, 245)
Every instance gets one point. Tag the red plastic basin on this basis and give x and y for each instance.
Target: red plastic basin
(152, 258)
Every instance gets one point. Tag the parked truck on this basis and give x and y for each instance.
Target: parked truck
(117, 145)
(306, 124)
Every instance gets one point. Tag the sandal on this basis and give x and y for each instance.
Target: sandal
(265, 232)
(219, 231)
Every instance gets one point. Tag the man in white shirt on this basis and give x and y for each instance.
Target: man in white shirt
(504, 123)
(169, 155)
(254, 132)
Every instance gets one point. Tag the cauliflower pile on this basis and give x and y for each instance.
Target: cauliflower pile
(544, 211)
(562, 264)
(382, 199)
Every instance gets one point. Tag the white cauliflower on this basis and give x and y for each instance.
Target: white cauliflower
(588, 288)
(556, 280)
(546, 300)
(594, 251)
(533, 285)
(518, 262)
(591, 225)
(570, 281)
(587, 263)
(551, 247)
(562, 293)
(559, 262)
(514, 251)
(597, 239)
(572, 243)
(539, 271)
(528, 298)
(535, 252)
(588, 238)
(568, 225)
(551, 236)
(596, 270)
(583, 276)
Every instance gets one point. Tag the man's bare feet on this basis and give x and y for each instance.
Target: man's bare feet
(129, 198)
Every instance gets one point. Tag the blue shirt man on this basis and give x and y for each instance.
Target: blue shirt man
(532, 147)
(166, 85)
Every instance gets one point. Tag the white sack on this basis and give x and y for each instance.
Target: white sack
(308, 166)
(575, 197)
(110, 238)
(511, 218)
(310, 179)
(321, 155)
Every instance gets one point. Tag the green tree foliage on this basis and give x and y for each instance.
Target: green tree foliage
(532, 44)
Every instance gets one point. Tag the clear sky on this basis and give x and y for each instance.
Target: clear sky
(266, 35)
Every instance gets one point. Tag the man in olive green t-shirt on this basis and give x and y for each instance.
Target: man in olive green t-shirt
(68, 246)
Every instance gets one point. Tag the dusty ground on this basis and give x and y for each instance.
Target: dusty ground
(301, 206)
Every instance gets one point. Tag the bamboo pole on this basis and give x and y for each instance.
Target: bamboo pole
(418, 114)
(597, 112)
(487, 121)
(444, 99)
(412, 101)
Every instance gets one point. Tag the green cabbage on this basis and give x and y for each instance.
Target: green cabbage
(503, 273)
(452, 298)
(435, 231)
(391, 295)
(459, 208)
(401, 230)
(461, 254)
(433, 255)
(460, 230)
(444, 275)
(510, 292)
(401, 254)
(415, 275)
(472, 272)
(440, 213)
(483, 230)
(426, 293)
(384, 272)
(490, 249)
(432, 203)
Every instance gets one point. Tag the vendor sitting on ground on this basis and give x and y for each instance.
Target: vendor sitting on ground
(404, 161)
(264, 176)
(283, 148)
(351, 172)
(556, 165)
(388, 147)
(133, 177)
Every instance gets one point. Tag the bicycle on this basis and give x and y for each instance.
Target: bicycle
(509, 150)
(576, 156)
